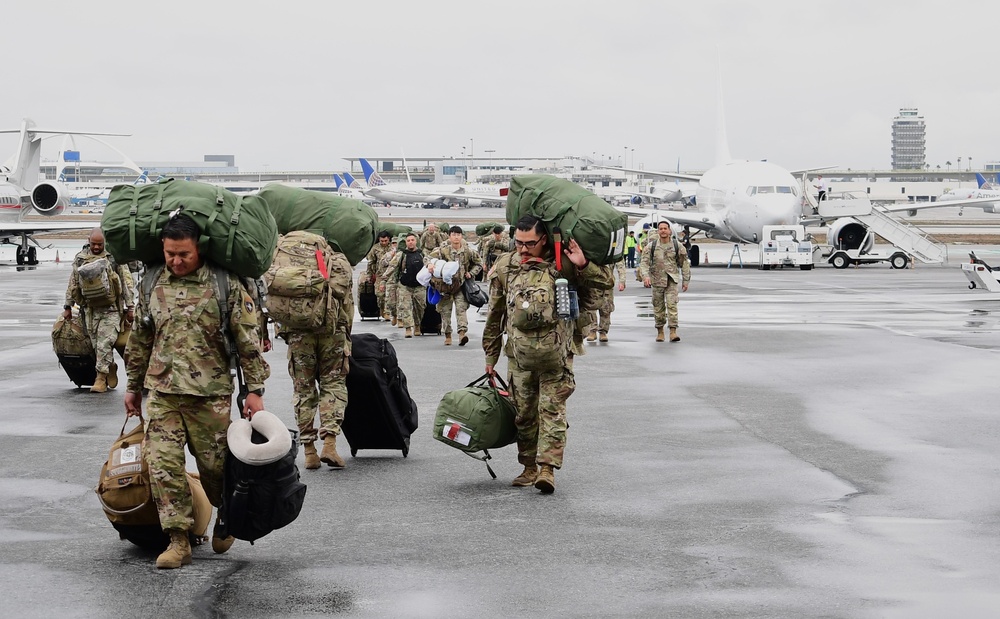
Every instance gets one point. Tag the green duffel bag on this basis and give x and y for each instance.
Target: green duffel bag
(599, 228)
(393, 228)
(238, 232)
(349, 225)
(486, 228)
(478, 417)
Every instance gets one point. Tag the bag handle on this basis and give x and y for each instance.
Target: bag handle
(123, 512)
(489, 379)
(483, 459)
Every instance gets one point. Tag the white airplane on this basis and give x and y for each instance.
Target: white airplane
(427, 193)
(21, 194)
(351, 188)
(984, 191)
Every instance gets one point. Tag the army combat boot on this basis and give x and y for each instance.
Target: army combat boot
(330, 455)
(409, 332)
(463, 339)
(100, 383)
(604, 337)
(659, 334)
(312, 458)
(592, 337)
(447, 339)
(416, 330)
(112, 375)
(546, 480)
(527, 477)
(178, 553)
(220, 544)
(673, 335)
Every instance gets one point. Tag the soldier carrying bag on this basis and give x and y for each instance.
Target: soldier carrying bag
(478, 417)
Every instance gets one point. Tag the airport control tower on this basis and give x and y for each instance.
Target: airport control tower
(908, 140)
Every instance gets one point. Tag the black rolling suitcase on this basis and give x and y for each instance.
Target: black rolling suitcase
(81, 369)
(367, 301)
(430, 322)
(380, 413)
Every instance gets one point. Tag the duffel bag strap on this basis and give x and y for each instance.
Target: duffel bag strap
(234, 222)
(483, 459)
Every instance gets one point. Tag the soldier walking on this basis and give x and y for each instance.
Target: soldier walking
(411, 297)
(179, 352)
(103, 290)
(430, 239)
(373, 273)
(539, 344)
(664, 267)
(456, 250)
(600, 320)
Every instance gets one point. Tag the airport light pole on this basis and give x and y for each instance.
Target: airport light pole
(490, 152)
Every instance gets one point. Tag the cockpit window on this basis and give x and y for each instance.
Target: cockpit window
(765, 189)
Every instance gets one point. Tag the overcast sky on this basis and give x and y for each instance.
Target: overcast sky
(301, 84)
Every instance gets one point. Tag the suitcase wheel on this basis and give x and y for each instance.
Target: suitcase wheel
(354, 453)
(406, 450)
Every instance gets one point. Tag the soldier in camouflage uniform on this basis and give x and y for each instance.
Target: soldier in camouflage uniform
(431, 239)
(600, 319)
(664, 267)
(178, 352)
(103, 323)
(456, 250)
(320, 358)
(411, 297)
(496, 245)
(539, 395)
(373, 273)
(387, 282)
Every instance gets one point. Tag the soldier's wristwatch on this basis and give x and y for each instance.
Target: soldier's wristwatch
(66, 307)
(258, 392)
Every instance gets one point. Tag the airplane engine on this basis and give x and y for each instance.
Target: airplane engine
(49, 198)
(990, 208)
(472, 203)
(847, 233)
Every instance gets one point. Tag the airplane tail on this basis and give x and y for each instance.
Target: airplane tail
(982, 182)
(339, 181)
(351, 181)
(371, 176)
(142, 179)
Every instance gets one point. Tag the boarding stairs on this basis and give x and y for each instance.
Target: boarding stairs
(904, 236)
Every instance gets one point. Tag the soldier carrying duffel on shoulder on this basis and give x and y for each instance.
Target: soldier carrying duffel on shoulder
(179, 352)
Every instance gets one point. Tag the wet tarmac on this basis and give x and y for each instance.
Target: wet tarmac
(820, 444)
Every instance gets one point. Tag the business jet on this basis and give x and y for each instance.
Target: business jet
(46, 198)
(426, 193)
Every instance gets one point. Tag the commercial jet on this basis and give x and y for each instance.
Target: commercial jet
(427, 193)
(21, 194)
(352, 189)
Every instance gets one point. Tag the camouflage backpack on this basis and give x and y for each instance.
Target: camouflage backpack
(99, 284)
(537, 339)
(298, 295)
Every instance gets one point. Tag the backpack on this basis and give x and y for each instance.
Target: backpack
(99, 285)
(478, 417)
(537, 338)
(298, 295)
(258, 499)
(409, 265)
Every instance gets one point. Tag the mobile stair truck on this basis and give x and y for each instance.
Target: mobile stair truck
(785, 246)
(909, 241)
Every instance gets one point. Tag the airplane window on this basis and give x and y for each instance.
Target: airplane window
(751, 191)
(765, 189)
(784, 190)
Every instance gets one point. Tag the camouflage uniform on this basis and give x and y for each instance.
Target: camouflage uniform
(429, 241)
(320, 358)
(494, 248)
(180, 355)
(666, 269)
(103, 323)
(470, 263)
(540, 396)
(373, 273)
(387, 282)
(410, 300)
(603, 323)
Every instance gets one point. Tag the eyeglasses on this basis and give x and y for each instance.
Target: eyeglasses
(527, 244)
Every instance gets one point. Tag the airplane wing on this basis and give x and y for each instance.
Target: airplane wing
(700, 221)
(919, 206)
(33, 227)
(675, 175)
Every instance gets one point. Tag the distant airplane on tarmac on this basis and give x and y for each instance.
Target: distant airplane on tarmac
(352, 189)
(427, 193)
(44, 198)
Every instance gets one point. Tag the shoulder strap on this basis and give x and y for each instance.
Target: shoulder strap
(149, 279)
(677, 248)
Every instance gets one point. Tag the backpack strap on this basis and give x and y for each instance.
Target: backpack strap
(652, 256)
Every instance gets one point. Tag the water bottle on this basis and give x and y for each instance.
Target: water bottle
(563, 308)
